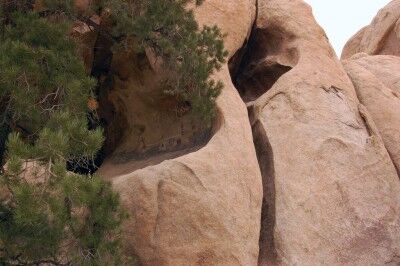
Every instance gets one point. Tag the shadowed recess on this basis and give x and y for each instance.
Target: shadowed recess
(254, 69)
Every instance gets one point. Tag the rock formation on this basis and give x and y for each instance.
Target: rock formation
(203, 206)
(306, 176)
(336, 190)
(382, 36)
(377, 82)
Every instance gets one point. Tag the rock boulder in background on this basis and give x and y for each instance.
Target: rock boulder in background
(377, 83)
(382, 36)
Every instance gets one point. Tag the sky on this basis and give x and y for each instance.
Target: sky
(341, 19)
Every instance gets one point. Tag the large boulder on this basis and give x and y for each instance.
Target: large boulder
(198, 205)
(384, 67)
(377, 83)
(382, 36)
(336, 191)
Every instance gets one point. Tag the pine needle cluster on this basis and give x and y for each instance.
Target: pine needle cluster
(47, 214)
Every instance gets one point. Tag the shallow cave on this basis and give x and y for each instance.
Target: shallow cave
(258, 65)
(142, 125)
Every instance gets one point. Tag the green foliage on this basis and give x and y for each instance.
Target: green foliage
(47, 214)
(169, 29)
(40, 74)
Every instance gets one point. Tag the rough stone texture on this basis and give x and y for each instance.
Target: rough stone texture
(384, 67)
(144, 123)
(377, 83)
(337, 193)
(382, 36)
(352, 46)
(202, 207)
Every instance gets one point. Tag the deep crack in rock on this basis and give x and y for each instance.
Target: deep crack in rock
(255, 68)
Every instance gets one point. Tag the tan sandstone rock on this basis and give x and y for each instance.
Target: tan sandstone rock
(377, 83)
(382, 36)
(337, 193)
(352, 46)
(203, 205)
(384, 67)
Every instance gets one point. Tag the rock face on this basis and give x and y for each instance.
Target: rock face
(377, 82)
(306, 176)
(336, 192)
(382, 36)
(144, 125)
(202, 207)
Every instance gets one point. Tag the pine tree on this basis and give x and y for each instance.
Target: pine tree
(49, 215)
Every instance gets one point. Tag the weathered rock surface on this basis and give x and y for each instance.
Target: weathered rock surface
(382, 36)
(377, 83)
(318, 155)
(337, 193)
(384, 67)
(202, 207)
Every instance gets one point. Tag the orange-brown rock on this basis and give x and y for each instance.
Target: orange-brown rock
(336, 193)
(382, 36)
(196, 206)
(377, 83)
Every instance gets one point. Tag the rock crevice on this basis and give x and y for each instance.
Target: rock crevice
(254, 69)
